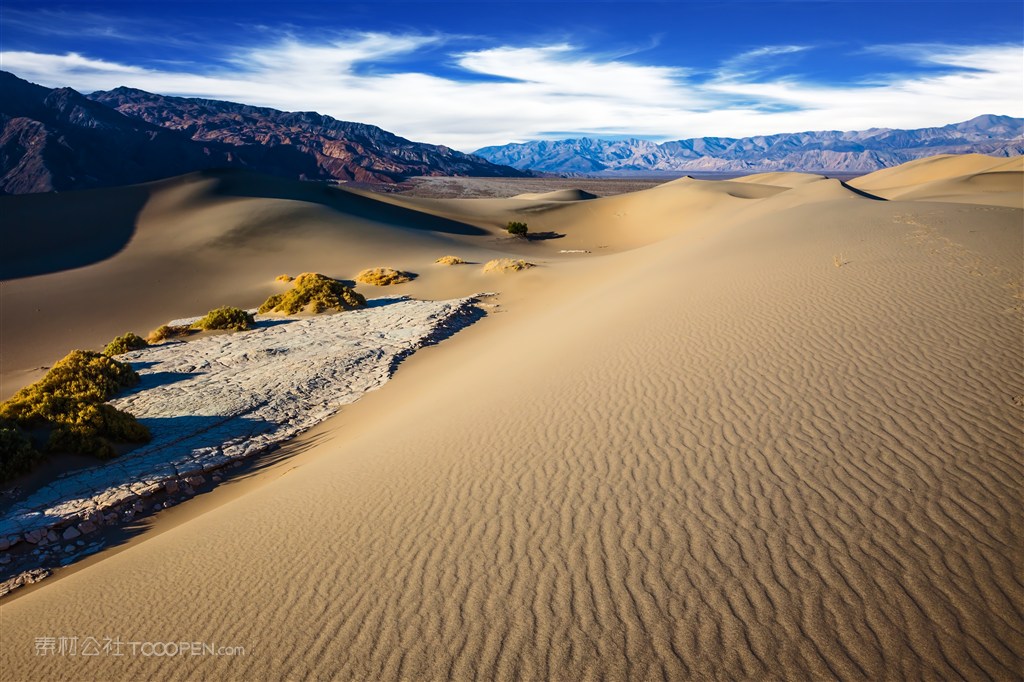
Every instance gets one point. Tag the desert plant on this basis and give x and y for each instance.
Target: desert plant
(506, 265)
(123, 344)
(838, 260)
(17, 455)
(225, 318)
(69, 404)
(381, 277)
(316, 293)
(164, 332)
(516, 228)
(450, 260)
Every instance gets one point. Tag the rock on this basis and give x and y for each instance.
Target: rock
(195, 481)
(171, 487)
(5, 544)
(68, 549)
(80, 543)
(86, 527)
(71, 533)
(52, 536)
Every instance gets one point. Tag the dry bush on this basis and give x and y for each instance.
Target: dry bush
(506, 265)
(450, 260)
(314, 292)
(283, 278)
(382, 277)
(164, 332)
(516, 228)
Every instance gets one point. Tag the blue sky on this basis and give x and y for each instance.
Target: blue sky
(470, 74)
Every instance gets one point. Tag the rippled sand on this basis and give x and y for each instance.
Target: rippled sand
(767, 429)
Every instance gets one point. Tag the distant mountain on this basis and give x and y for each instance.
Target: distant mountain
(823, 151)
(59, 139)
(305, 145)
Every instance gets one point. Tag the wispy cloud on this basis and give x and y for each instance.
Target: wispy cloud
(519, 92)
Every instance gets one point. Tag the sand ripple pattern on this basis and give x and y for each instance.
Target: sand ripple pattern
(726, 459)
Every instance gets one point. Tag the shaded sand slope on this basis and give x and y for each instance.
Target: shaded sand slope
(715, 457)
(186, 245)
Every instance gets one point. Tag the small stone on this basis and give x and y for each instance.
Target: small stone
(171, 487)
(110, 518)
(80, 543)
(195, 481)
(216, 478)
(187, 489)
(168, 504)
(157, 507)
(71, 533)
(86, 527)
(52, 536)
(69, 548)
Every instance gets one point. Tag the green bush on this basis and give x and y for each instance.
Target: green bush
(316, 293)
(17, 455)
(69, 404)
(123, 344)
(225, 318)
(516, 229)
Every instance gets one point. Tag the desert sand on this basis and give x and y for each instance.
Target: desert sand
(768, 428)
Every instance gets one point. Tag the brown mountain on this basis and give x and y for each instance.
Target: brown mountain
(305, 144)
(59, 139)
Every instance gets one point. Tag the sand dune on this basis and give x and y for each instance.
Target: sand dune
(558, 195)
(708, 449)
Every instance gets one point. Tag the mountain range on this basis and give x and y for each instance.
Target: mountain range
(822, 151)
(60, 139)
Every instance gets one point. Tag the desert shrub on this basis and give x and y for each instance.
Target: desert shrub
(516, 228)
(316, 293)
(123, 344)
(164, 332)
(450, 260)
(283, 278)
(16, 452)
(382, 277)
(506, 265)
(69, 403)
(225, 318)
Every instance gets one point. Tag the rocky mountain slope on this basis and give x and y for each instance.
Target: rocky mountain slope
(829, 151)
(303, 144)
(59, 139)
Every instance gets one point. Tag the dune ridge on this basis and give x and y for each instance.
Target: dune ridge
(701, 451)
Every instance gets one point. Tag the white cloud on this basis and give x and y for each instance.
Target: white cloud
(515, 93)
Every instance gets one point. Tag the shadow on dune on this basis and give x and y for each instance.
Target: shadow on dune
(239, 183)
(861, 192)
(51, 232)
